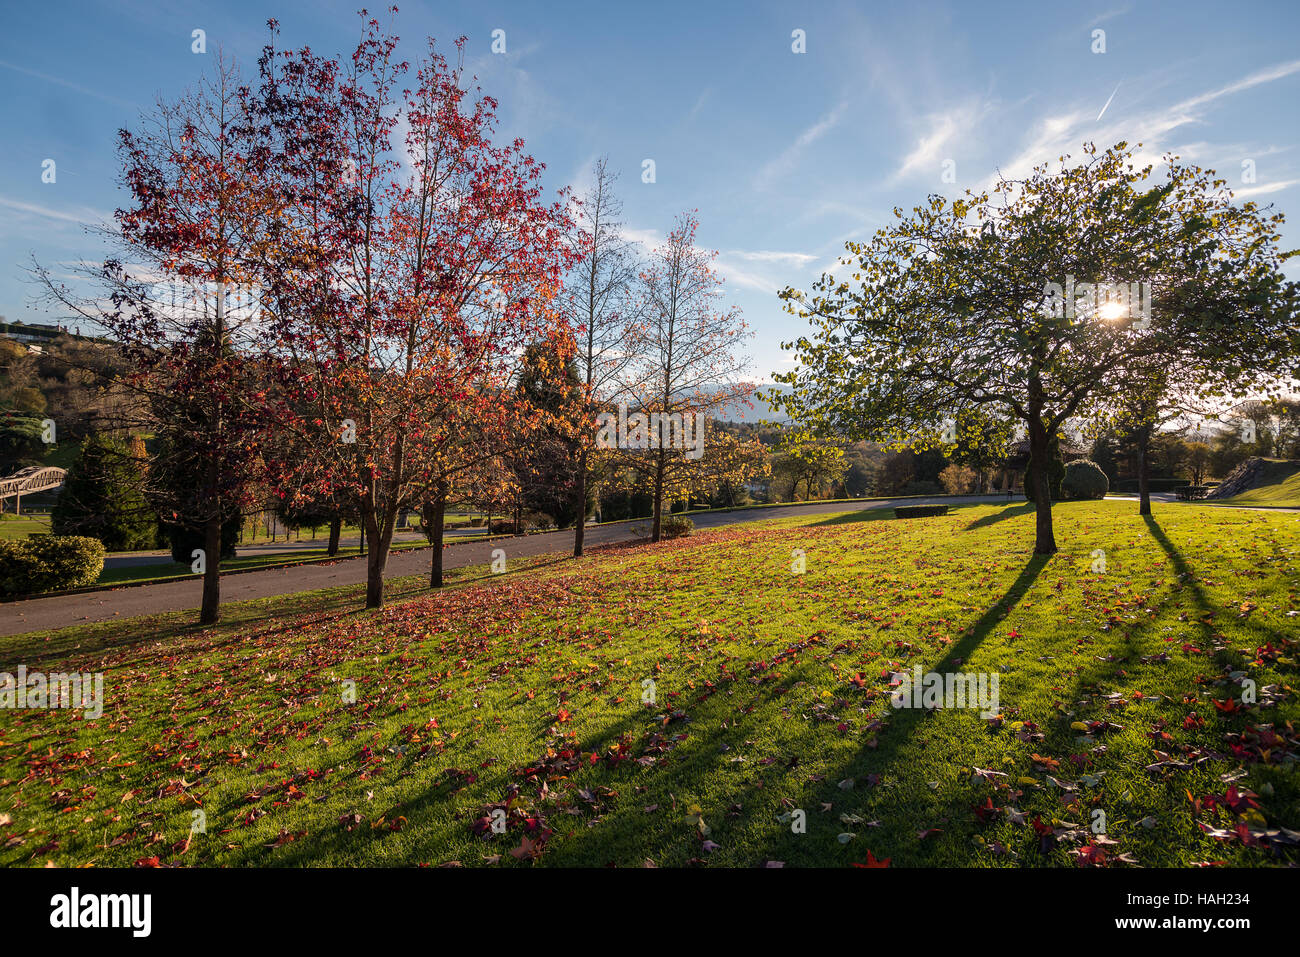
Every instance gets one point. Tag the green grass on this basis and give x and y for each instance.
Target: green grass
(15, 527)
(62, 455)
(1279, 487)
(521, 693)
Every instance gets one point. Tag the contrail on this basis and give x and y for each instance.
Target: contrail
(1112, 96)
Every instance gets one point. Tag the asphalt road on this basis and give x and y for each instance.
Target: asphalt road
(41, 614)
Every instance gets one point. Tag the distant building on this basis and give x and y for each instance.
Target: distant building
(1012, 473)
(36, 333)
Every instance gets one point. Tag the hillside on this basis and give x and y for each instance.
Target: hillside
(1262, 482)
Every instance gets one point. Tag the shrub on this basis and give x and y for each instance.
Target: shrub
(508, 528)
(958, 479)
(49, 563)
(922, 487)
(677, 526)
(1085, 479)
(920, 511)
(183, 540)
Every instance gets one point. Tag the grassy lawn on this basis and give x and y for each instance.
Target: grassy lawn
(519, 698)
(15, 527)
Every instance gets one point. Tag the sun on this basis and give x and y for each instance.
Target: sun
(1113, 310)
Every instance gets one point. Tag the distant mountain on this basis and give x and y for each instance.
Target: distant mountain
(740, 412)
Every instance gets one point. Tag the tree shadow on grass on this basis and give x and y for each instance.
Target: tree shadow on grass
(440, 797)
(1009, 511)
(852, 518)
(1185, 575)
(741, 811)
(903, 724)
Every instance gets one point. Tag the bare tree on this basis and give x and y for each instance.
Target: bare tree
(173, 298)
(687, 364)
(600, 304)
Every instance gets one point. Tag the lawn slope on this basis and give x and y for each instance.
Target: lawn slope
(698, 702)
(1277, 485)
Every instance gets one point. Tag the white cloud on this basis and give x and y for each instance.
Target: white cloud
(1263, 189)
(767, 256)
(85, 217)
(934, 145)
(1064, 133)
(789, 157)
(649, 238)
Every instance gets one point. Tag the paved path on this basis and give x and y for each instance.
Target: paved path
(40, 614)
(347, 546)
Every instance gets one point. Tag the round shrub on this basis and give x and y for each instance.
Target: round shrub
(49, 563)
(1085, 479)
(677, 526)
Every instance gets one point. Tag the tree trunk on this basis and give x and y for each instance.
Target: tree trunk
(434, 515)
(657, 530)
(379, 538)
(336, 529)
(1045, 540)
(210, 613)
(580, 531)
(1144, 472)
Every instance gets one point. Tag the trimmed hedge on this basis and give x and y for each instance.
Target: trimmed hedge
(1155, 484)
(1084, 479)
(49, 563)
(920, 511)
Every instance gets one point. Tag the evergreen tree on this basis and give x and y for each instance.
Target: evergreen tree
(102, 498)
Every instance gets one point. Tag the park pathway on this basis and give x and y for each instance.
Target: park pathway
(42, 614)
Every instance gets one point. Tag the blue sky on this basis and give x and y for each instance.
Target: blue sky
(784, 155)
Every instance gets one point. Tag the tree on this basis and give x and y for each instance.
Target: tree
(547, 462)
(815, 464)
(1048, 470)
(181, 500)
(982, 442)
(972, 303)
(958, 479)
(686, 363)
(173, 298)
(20, 390)
(598, 300)
(408, 275)
(103, 498)
(1105, 449)
(1198, 461)
(728, 462)
(21, 442)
